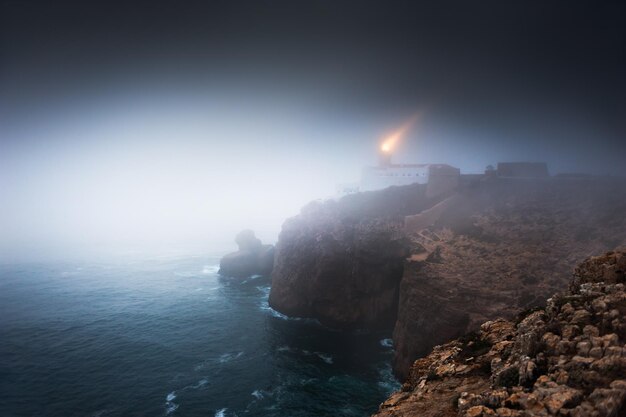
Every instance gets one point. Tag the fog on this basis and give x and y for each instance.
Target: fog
(132, 173)
(164, 129)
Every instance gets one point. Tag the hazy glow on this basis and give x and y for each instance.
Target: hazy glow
(154, 171)
(145, 176)
(390, 141)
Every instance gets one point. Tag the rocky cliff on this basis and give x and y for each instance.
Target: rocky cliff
(567, 359)
(434, 269)
(341, 261)
(500, 247)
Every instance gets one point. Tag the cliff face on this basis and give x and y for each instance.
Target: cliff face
(341, 262)
(568, 359)
(497, 249)
(345, 275)
(490, 250)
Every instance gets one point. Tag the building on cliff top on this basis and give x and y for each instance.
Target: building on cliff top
(440, 178)
(442, 175)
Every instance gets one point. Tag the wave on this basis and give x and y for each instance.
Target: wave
(386, 343)
(326, 358)
(323, 356)
(257, 394)
(200, 384)
(170, 406)
(264, 289)
(227, 357)
(221, 412)
(266, 307)
(251, 278)
(210, 269)
(388, 381)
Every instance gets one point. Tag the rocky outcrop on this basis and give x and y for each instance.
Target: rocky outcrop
(252, 258)
(344, 275)
(567, 359)
(500, 247)
(341, 261)
(438, 268)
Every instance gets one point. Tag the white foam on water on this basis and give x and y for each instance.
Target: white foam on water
(227, 357)
(266, 307)
(308, 381)
(387, 380)
(200, 384)
(386, 343)
(257, 394)
(265, 290)
(171, 407)
(210, 269)
(326, 358)
(251, 278)
(221, 412)
(323, 356)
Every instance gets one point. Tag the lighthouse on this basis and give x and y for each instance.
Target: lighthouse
(439, 178)
(384, 158)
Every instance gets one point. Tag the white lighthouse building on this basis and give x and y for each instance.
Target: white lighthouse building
(440, 178)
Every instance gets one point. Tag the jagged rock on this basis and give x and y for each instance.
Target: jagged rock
(529, 367)
(252, 258)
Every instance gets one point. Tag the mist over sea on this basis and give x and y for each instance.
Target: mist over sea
(169, 336)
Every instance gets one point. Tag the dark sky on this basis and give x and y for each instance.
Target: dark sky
(553, 68)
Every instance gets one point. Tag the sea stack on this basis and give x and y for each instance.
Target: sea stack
(252, 258)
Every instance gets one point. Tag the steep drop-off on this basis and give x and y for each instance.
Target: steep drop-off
(503, 246)
(492, 249)
(341, 261)
(568, 359)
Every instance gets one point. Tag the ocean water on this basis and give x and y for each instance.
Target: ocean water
(170, 337)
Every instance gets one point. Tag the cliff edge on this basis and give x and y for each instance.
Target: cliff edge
(341, 261)
(498, 248)
(567, 359)
(433, 269)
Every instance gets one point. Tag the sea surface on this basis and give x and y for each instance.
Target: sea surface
(170, 337)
